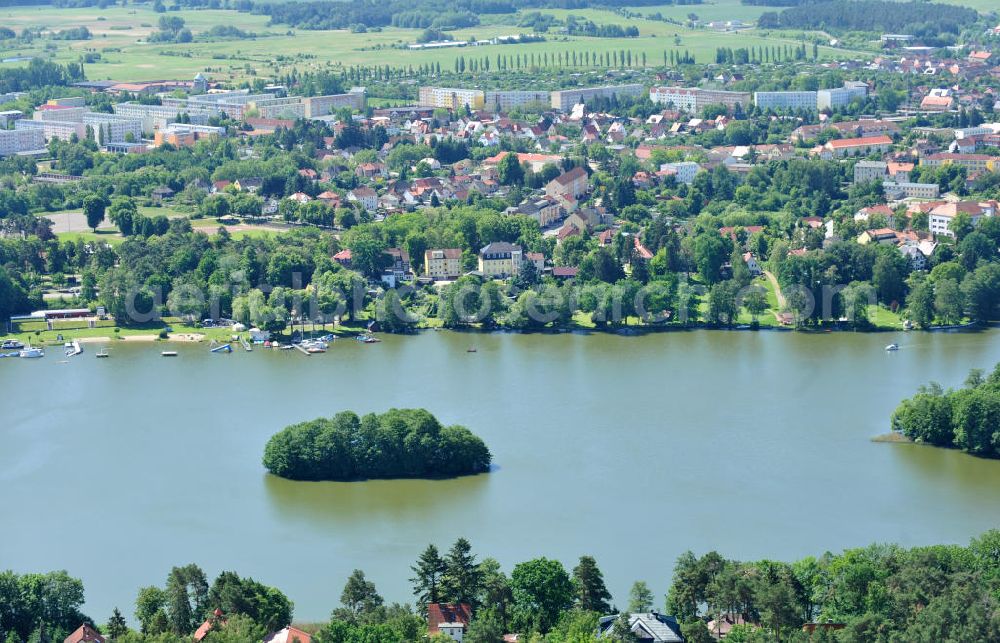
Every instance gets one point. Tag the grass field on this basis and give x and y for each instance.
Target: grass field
(121, 39)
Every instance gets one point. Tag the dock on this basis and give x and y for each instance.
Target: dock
(246, 344)
(299, 348)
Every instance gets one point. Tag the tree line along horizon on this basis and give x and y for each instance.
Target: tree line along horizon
(876, 593)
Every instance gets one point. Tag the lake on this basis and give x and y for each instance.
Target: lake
(631, 449)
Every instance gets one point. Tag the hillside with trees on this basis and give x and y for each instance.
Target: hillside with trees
(871, 15)
(400, 443)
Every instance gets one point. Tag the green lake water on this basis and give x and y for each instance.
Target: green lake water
(631, 449)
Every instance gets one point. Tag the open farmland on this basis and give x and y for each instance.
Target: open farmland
(120, 36)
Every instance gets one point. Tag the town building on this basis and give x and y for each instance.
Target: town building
(503, 101)
(365, 196)
(154, 117)
(112, 128)
(682, 171)
(693, 100)
(18, 141)
(185, 135)
(905, 190)
(941, 216)
(859, 146)
(315, 106)
(786, 101)
(842, 96)
(448, 619)
(84, 634)
(54, 129)
(443, 263)
(289, 635)
(565, 99)
(451, 98)
(646, 626)
(500, 259)
(572, 183)
(972, 162)
(867, 171)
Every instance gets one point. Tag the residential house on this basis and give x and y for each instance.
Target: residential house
(866, 171)
(572, 183)
(500, 259)
(84, 634)
(289, 635)
(565, 272)
(448, 619)
(400, 260)
(251, 185)
(881, 236)
(865, 214)
(752, 265)
(443, 263)
(647, 626)
(538, 259)
(343, 257)
(215, 621)
(365, 196)
(371, 170)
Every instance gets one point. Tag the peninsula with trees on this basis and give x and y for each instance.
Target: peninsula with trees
(400, 443)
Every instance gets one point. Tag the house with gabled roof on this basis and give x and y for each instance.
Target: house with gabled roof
(448, 619)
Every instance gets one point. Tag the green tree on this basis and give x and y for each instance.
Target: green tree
(116, 627)
(360, 598)
(461, 577)
(93, 209)
(542, 591)
(640, 598)
(509, 170)
(591, 593)
(427, 578)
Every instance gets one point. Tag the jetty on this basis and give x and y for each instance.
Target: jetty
(246, 344)
(222, 348)
(301, 349)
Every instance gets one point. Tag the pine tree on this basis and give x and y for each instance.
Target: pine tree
(427, 578)
(116, 627)
(461, 579)
(591, 593)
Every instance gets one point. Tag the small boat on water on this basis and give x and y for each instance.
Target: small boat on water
(103, 353)
(168, 354)
(31, 352)
(315, 349)
(367, 339)
(11, 345)
(892, 347)
(471, 349)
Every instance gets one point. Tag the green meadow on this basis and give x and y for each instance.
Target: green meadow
(120, 36)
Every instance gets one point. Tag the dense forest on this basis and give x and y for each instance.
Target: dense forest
(871, 15)
(877, 593)
(39, 73)
(400, 443)
(966, 419)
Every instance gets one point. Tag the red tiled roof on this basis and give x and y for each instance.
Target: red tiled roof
(84, 634)
(860, 142)
(438, 613)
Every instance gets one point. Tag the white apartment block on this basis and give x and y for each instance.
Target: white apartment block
(840, 97)
(451, 98)
(503, 101)
(906, 190)
(685, 170)
(785, 101)
(316, 106)
(54, 129)
(156, 117)
(291, 107)
(695, 99)
(16, 141)
(112, 128)
(565, 99)
(58, 113)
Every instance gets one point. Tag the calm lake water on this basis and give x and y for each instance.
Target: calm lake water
(632, 449)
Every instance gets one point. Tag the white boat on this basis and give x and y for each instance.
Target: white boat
(892, 347)
(73, 348)
(102, 353)
(168, 354)
(31, 353)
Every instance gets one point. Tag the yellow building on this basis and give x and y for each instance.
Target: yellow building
(442, 264)
(451, 98)
(500, 259)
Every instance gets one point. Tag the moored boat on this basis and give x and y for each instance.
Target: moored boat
(30, 352)
(892, 347)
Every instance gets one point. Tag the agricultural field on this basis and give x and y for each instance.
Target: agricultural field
(120, 33)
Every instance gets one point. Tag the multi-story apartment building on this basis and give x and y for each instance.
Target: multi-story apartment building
(16, 141)
(451, 97)
(316, 106)
(444, 263)
(973, 162)
(290, 107)
(684, 171)
(565, 99)
(500, 259)
(693, 100)
(156, 117)
(572, 183)
(842, 96)
(907, 190)
(185, 135)
(503, 101)
(54, 129)
(866, 171)
(785, 101)
(112, 128)
(940, 217)
(63, 113)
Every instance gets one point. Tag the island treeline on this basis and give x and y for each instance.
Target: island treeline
(400, 443)
(882, 592)
(870, 15)
(966, 419)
